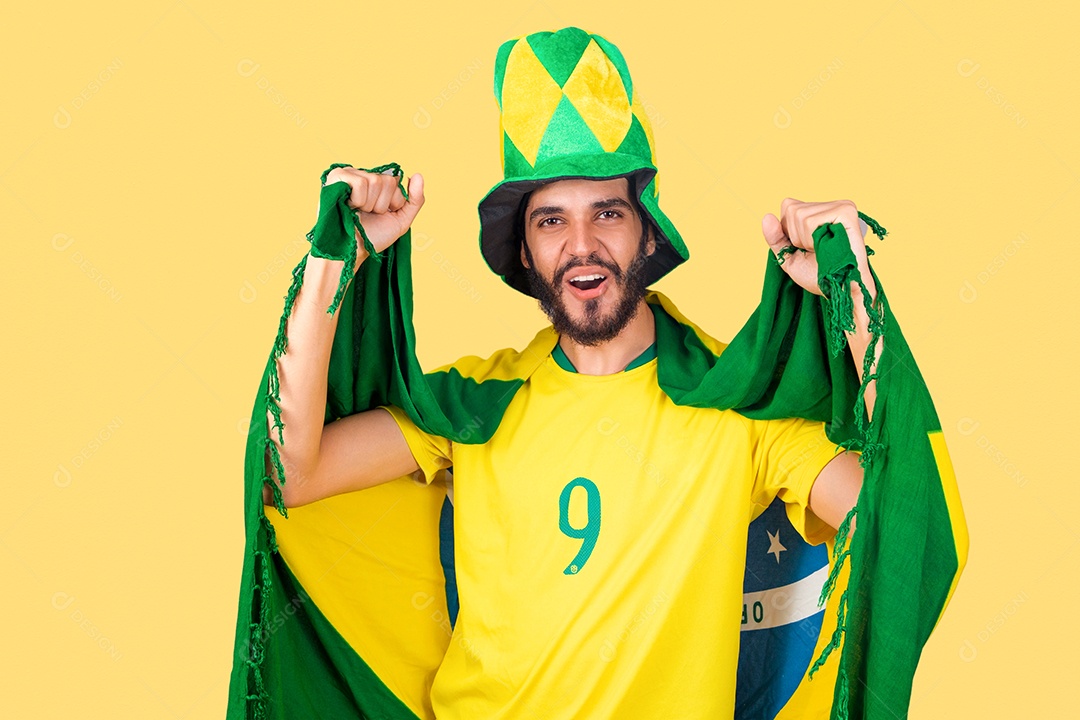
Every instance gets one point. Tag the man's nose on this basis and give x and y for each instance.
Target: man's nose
(581, 240)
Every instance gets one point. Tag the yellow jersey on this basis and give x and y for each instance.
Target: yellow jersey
(600, 544)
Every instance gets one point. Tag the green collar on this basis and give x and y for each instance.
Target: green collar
(564, 362)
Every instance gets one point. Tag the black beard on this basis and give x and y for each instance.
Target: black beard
(596, 330)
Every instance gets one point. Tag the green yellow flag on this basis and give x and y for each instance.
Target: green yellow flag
(343, 609)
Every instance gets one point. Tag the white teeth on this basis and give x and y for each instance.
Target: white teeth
(586, 278)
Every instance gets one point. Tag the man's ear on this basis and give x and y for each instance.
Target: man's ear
(524, 260)
(650, 244)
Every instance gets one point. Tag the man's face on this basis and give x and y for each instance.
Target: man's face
(584, 254)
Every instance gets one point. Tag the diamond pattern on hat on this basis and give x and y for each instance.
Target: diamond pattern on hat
(567, 134)
(560, 52)
(568, 108)
(514, 164)
(615, 56)
(500, 67)
(540, 74)
(635, 142)
(529, 99)
(597, 91)
(642, 119)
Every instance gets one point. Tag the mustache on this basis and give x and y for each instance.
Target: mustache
(593, 259)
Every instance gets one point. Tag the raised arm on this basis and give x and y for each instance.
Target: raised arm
(836, 489)
(360, 450)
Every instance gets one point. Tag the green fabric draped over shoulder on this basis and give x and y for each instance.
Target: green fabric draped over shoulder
(788, 360)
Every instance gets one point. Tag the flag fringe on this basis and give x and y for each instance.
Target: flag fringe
(783, 252)
(273, 387)
(875, 227)
(840, 318)
(262, 580)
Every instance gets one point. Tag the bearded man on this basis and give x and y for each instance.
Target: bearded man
(599, 514)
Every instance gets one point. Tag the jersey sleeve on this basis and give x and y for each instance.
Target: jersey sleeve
(788, 455)
(431, 452)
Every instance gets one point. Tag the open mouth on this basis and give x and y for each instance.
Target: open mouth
(587, 282)
(587, 285)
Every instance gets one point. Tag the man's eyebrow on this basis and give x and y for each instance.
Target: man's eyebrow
(544, 210)
(611, 202)
(598, 205)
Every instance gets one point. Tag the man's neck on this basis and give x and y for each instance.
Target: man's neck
(614, 355)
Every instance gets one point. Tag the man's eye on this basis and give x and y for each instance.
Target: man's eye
(544, 221)
(613, 213)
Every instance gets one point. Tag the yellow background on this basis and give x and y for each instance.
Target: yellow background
(159, 166)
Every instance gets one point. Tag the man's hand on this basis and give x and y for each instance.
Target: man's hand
(384, 211)
(796, 226)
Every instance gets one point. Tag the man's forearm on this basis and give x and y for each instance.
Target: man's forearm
(302, 368)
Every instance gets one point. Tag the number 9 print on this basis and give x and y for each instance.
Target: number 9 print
(591, 529)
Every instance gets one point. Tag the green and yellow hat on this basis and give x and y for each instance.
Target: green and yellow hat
(568, 109)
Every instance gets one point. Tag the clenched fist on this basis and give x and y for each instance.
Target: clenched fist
(795, 229)
(384, 212)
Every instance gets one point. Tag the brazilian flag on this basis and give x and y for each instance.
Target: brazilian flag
(347, 605)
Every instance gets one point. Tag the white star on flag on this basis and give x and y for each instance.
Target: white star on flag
(774, 545)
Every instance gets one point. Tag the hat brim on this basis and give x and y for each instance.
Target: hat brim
(499, 208)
